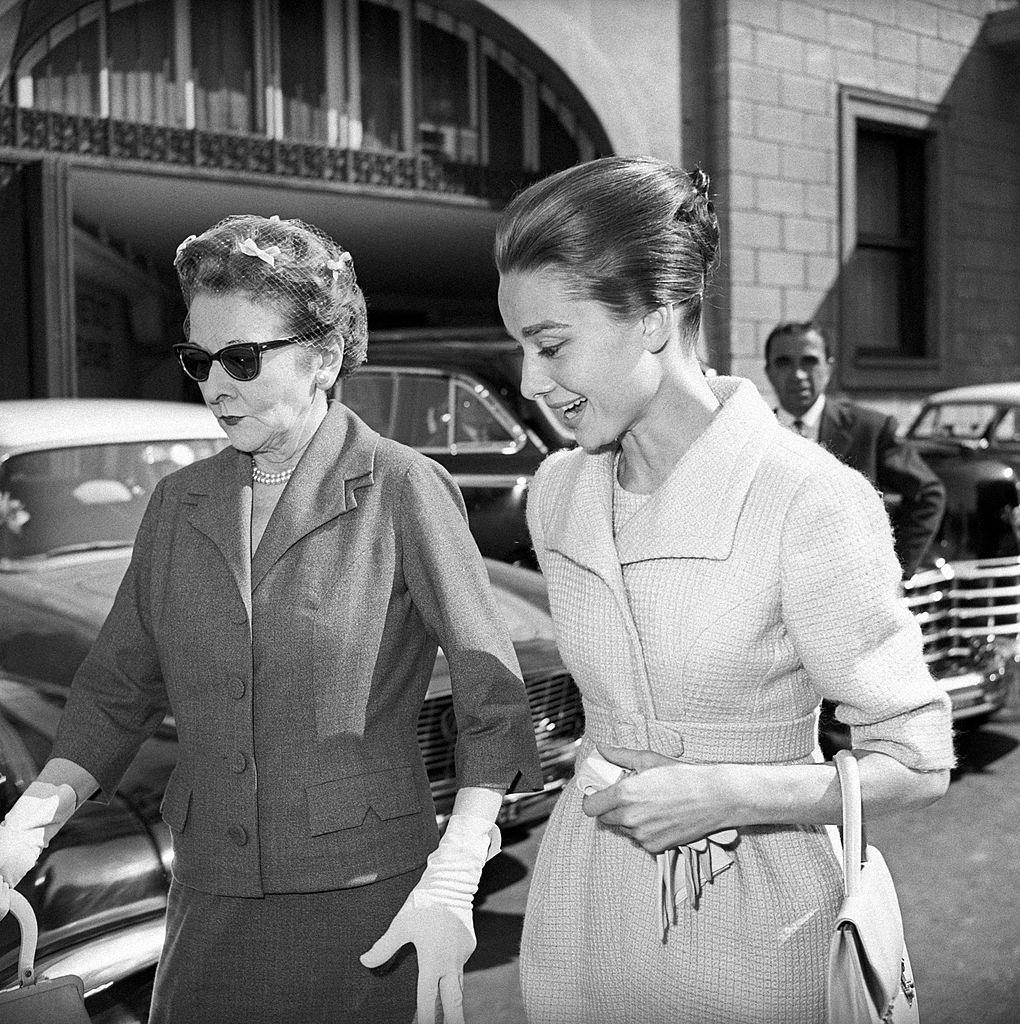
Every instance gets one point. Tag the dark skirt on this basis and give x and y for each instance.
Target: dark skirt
(287, 958)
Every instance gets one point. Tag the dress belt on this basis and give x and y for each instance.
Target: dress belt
(703, 742)
(760, 742)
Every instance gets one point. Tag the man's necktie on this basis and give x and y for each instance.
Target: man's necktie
(798, 425)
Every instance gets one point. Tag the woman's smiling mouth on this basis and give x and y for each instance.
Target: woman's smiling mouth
(572, 411)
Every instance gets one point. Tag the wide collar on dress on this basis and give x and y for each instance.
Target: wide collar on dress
(694, 514)
(339, 458)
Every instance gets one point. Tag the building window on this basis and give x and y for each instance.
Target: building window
(140, 59)
(892, 311)
(222, 49)
(557, 147)
(446, 87)
(303, 69)
(886, 310)
(61, 71)
(381, 84)
(505, 117)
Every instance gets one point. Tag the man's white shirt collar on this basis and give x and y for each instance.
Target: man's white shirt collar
(811, 418)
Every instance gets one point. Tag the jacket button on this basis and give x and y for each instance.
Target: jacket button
(238, 761)
(236, 687)
(238, 835)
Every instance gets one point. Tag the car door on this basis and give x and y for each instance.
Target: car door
(454, 418)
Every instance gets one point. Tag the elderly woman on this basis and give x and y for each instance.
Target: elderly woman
(284, 602)
(711, 576)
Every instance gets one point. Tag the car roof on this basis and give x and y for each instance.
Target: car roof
(30, 424)
(484, 337)
(1006, 393)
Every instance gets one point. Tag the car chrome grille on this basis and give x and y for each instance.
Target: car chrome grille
(556, 714)
(961, 605)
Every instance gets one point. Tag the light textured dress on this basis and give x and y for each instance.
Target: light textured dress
(707, 625)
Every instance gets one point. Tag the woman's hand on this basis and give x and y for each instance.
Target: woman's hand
(664, 804)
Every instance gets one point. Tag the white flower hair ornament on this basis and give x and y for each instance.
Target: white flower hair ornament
(180, 249)
(267, 255)
(339, 264)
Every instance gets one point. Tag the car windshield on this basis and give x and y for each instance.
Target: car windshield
(84, 498)
(955, 420)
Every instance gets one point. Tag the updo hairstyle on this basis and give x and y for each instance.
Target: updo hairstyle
(632, 233)
(285, 265)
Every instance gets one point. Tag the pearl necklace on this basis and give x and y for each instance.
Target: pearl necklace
(260, 476)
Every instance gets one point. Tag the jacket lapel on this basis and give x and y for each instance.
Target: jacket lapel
(221, 510)
(582, 529)
(694, 514)
(339, 458)
(834, 431)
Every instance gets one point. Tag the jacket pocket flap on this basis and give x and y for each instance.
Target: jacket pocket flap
(176, 802)
(344, 803)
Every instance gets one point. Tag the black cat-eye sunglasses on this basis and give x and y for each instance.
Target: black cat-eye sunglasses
(243, 360)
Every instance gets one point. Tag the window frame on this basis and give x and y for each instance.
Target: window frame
(896, 115)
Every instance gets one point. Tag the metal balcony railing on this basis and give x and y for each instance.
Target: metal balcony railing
(87, 136)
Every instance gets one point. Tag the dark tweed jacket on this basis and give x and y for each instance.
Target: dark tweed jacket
(296, 677)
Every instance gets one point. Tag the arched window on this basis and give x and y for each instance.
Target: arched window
(448, 80)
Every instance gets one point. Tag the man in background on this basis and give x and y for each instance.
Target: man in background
(798, 366)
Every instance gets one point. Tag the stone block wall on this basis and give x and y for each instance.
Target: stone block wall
(779, 68)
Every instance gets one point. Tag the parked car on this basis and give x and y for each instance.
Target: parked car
(75, 476)
(968, 601)
(970, 436)
(966, 597)
(454, 394)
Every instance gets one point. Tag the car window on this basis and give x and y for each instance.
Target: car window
(84, 497)
(1007, 430)
(433, 412)
(370, 396)
(955, 420)
(422, 405)
(474, 424)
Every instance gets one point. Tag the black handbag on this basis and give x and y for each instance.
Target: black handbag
(869, 980)
(39, 1000)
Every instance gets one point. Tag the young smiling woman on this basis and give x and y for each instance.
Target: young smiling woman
(712, 576)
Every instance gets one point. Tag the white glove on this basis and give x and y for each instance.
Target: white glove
(436, 916)
(36, 817)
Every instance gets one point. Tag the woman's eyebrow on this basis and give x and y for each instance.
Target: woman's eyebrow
(543, 325)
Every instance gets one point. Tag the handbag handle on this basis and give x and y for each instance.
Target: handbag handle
(23, 913)
(848, 773)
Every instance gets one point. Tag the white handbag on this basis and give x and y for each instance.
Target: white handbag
(869, 979)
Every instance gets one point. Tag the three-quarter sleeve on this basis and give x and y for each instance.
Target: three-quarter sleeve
(117, 697)
(843, 609)
(450, 588)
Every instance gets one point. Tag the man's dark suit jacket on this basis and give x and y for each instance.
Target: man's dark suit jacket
(866, 440)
